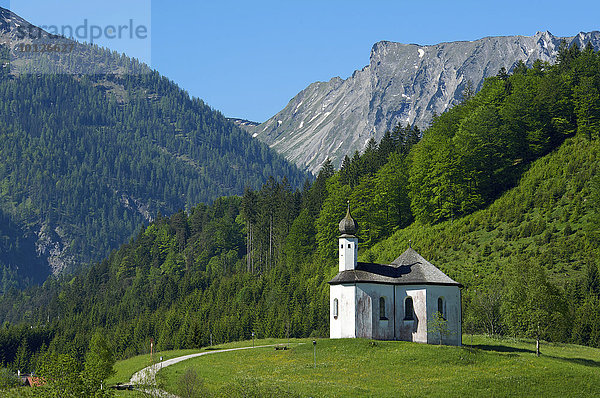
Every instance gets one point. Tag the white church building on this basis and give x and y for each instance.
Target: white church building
(391, 302)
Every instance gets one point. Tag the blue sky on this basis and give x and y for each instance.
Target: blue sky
(249, 58)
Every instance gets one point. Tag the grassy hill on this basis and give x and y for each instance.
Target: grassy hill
(549, 219)
(549, 216)
(356, 367)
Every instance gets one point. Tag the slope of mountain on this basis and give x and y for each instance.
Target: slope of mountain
(403, 83)
(86, 159)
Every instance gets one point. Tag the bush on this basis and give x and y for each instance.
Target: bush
(8, 379)
(191, 385)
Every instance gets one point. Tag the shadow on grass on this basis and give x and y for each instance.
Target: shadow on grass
(578, 361)
(501, 348)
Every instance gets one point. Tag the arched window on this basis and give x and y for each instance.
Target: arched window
(441, 306)
(408, 309)
(335, 308)
(382, 308)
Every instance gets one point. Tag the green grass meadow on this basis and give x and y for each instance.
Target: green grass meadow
(483, 367)
(366, 368)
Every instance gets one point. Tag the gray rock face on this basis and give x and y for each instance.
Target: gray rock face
(243, 123)
(404, 83)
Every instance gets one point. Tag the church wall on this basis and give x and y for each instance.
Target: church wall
(364, 313)
(359, 313)
(369, 324)
(451, 312)
(344, 325)
(415, 329)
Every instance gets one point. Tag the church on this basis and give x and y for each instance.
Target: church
(391, 302)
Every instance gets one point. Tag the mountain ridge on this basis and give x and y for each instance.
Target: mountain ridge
(403, 83)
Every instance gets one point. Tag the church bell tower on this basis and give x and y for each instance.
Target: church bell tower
(348, 242)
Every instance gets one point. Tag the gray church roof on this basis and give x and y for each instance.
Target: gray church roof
(408, 269)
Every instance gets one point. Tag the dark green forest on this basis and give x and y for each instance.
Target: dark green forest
(500, 192)
(86, 160)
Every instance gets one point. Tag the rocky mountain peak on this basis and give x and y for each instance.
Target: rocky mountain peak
(403, 83)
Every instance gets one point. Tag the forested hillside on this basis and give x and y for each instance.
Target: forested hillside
(501, 193)
(86, 160)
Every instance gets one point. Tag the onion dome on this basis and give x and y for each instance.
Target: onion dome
(348, 226)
